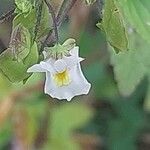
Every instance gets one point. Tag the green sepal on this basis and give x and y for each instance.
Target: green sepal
(69, 44)
(58, 50)
(90, 2)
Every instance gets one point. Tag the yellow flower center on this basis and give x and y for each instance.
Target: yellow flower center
(62, 79)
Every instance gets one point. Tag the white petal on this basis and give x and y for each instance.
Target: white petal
(48, 83)
(47, 66)
(78, 86)
(36, 68)
(75, 51)
(72, 60)
(51, 89)
(60, 65)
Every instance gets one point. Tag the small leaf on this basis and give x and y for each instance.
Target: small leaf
(46, 22)
(138, 15)
(29, 21)
(23, 5)
(112, 25)
(17, 71)
(20, 42)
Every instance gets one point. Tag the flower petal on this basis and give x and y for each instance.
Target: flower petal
(47, 66)
(48, 83)
(74, 59)
(60, 65)
(78, 86)
(82, 86)
(36, 68)
(75, 51)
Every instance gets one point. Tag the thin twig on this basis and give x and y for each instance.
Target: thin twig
(65, 8)
(99, 5)
(51, 10)
(50, 39)
(39, 15)
(7, 15)
(45, 41)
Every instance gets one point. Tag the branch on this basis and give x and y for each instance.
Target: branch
(65, 8)
(51, 10)
(99, 5)
(7, 15)
(52, 35)
(39, 15)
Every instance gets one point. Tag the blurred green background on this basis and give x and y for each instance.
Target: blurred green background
(101, 120)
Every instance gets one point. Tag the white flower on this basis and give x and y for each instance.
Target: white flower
(64, 77)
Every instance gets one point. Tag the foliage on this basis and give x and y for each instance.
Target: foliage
(132, 66)
(23, 51)
(137, 14)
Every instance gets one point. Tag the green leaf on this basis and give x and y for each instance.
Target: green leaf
(23, 5)
(17, 71)
(46, 22)
(29, 21)
(138, 15)
(131, 66)
(146, 4)
(112, 25)
(20, 42)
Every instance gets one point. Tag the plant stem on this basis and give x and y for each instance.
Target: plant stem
(7, 15)
(51, 10)
(100, 4)
(65, 8)
(39, 15)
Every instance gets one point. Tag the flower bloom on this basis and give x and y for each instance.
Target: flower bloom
(64, 77)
